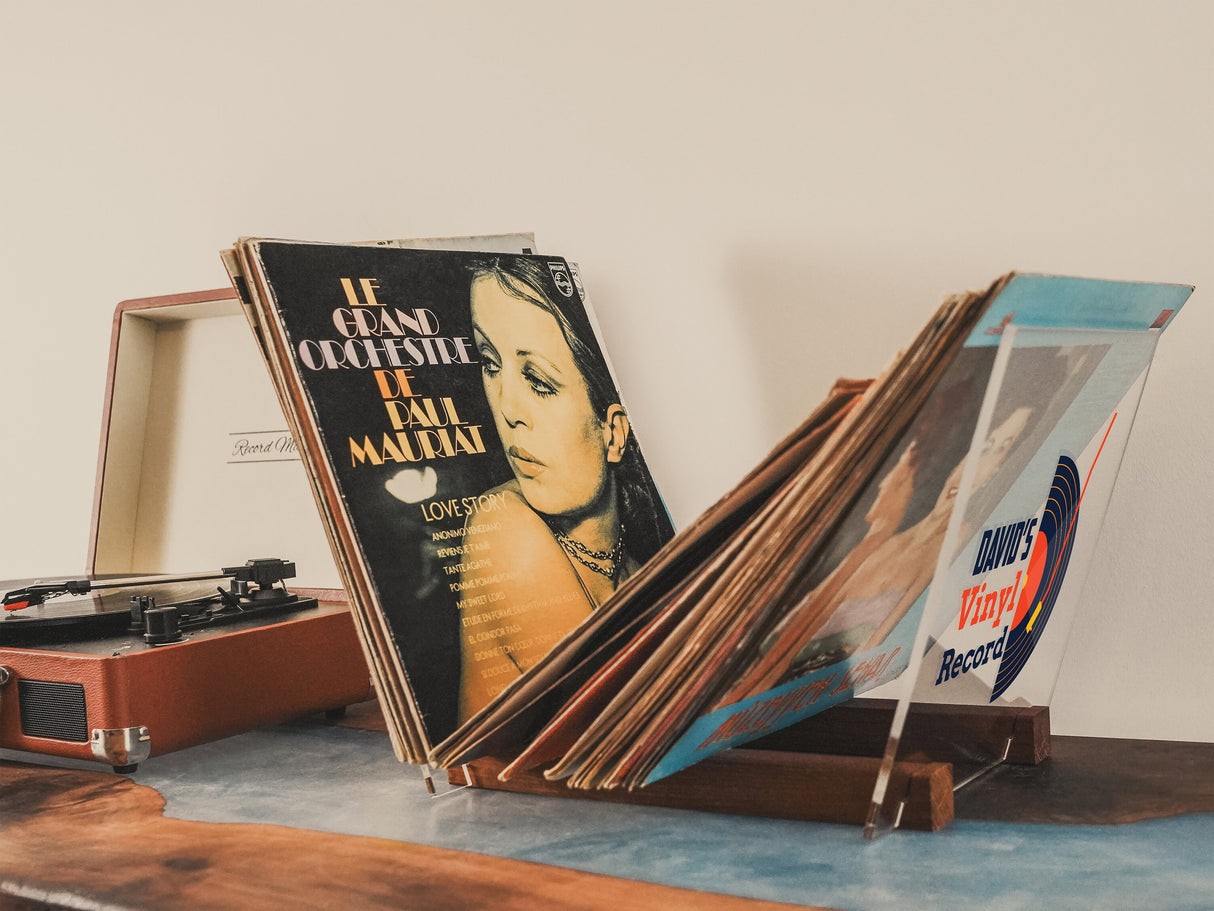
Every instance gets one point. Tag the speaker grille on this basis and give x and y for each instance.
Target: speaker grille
(52, 710)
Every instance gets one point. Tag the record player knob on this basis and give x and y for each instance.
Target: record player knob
(160, 626)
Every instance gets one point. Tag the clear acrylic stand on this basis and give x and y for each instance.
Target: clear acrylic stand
(444, 785)
(1032, 496)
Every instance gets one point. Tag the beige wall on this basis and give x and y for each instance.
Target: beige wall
(762, 196)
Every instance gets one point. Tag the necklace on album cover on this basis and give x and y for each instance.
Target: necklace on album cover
(604, 562)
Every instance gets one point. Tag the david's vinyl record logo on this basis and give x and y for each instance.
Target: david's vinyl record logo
(1038, 550)
(1048, 561)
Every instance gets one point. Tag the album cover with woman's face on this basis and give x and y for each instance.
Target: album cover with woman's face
(480, 449)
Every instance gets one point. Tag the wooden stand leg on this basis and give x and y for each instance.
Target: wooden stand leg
(944, 733)
(766, 783)
(824, 768)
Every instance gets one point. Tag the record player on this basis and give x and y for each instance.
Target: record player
(135, 658)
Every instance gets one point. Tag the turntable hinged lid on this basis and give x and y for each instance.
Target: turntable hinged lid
(197, 467)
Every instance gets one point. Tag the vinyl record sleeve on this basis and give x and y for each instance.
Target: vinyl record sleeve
(818, 593)
(479, 477)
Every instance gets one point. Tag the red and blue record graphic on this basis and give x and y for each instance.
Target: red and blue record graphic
(1043, 577)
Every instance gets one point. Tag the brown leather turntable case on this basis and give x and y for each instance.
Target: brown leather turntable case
(196, 471)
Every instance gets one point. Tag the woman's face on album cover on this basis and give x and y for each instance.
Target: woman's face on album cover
(998, 444)
(555, 443)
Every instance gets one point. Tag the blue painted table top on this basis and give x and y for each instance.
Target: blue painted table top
(344, 780)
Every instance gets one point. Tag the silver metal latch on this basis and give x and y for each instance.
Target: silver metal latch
(123, 748)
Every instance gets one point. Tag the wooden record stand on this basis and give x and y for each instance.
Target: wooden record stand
(824, 768)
